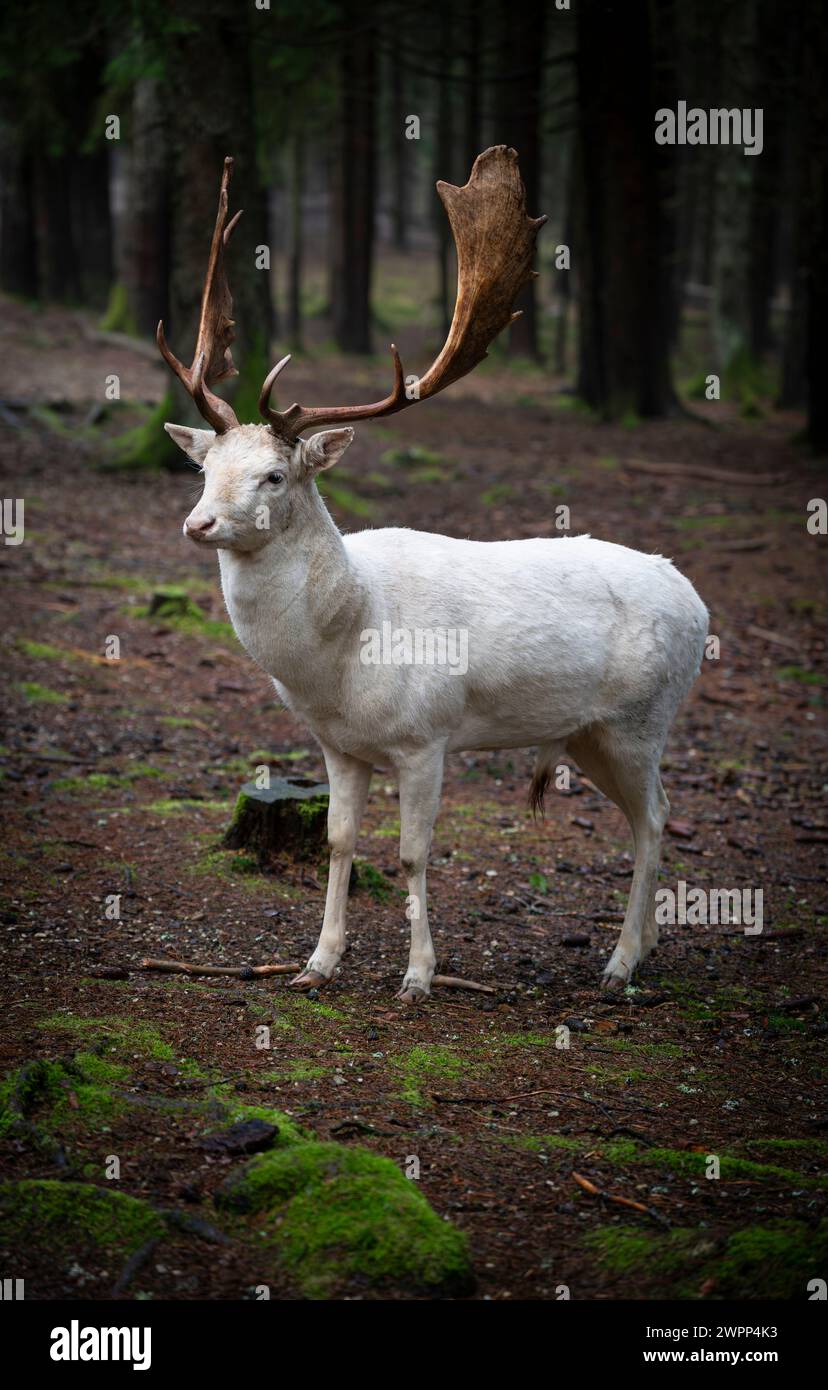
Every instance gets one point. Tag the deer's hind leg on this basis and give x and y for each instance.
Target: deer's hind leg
(624, 763)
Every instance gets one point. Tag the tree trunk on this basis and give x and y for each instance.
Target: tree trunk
(734, 186)
(146, 242)
(563, 281)
(474, 30)
(294, 288)
(772, 34)
(57, 259)
(354, 187)
(203, 130)
(443, 148)
(398, 143)
(814, 211)
(793, 387)
(18, 259)
(520, 110)
(624, 289)
(92, 225)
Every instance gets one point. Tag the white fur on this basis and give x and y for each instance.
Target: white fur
(575, 645)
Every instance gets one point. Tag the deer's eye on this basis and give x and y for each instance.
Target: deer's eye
(275, 478)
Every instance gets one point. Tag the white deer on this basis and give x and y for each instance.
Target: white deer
(575, 645)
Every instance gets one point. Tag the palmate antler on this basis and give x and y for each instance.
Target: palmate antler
(212, 361)
(495, 242)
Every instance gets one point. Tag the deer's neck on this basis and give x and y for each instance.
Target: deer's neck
(296, 601)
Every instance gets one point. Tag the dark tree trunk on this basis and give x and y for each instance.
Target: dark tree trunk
(92, 225)
(793, 386)
(734, 179)
(564, 277)
(354, 187)
(399, 145)
(520, 112)
(474, 30)
(814, 211)
(146, 245)
(294, 286)
(204, 129)
(624, 287)
(443, 150)
(57, 256)
(664, 85)
(772, 33)
(18, 259)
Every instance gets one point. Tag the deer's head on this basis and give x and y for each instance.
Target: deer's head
(257, 476)
(256, 484)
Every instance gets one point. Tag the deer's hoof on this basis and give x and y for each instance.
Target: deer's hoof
(613, 984)
(412, 995)
(309, 979)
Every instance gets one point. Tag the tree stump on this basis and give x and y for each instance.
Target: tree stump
(288, 819)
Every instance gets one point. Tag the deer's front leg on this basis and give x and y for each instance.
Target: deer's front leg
(348, 780)
(421, 777)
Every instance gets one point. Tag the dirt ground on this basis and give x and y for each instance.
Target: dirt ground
(582, 1166)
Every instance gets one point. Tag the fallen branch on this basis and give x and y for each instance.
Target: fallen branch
(594, 1191)
(250, 972)
(133, 1266)
(121, 340)
(775, 638)
(700, 470)
(454, 982)
(741, 543)
(239, 972)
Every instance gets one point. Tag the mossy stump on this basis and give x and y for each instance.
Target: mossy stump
(287, 820)
(173, 603)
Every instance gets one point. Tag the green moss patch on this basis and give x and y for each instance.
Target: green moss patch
(365, 876)
(541, 1143)
(424, 1065)
(120, 1038)
(776, 1260)
(41, 694)
(332, 1212)
(41, 1097)
(181, 613)
(688, 1164)
(74, 1215)
(40, 651)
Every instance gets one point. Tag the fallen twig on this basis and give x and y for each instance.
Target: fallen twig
(700, 470)
(133, 1266)
(775, 638)
(594, 1191)
(454, 982)
(240, 972)
(741, 543)
(250, 972)
(608, 1196)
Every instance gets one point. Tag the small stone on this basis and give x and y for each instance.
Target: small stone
(246, 1137)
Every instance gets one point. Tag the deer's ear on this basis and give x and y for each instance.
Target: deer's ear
(323, 450)
(195, 443)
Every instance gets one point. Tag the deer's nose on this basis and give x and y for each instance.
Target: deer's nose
(199, 528)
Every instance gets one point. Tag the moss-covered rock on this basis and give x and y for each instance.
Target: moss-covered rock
(72, 1216)
(333, 1212)
(42, 1096)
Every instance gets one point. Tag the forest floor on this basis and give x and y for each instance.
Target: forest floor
(120, 777)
